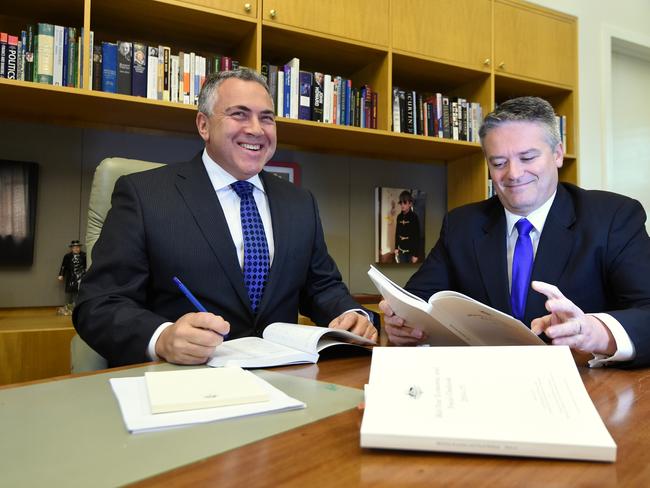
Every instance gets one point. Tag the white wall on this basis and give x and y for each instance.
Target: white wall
(598, 22)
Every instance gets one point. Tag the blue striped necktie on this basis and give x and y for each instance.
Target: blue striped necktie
(256, 249)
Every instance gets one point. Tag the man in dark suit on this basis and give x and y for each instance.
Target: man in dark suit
(588, 282)
(184, 220)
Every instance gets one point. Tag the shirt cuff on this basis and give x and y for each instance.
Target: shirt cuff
(624, 347)
(151, 350)
(360, 312)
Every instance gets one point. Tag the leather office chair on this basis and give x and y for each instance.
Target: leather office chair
(83, 357)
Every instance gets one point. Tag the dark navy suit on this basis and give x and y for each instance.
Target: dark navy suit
(594, 247)
(168, 222)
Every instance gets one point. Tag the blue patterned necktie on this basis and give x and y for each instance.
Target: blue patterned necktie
(522, 265)
(256, 249)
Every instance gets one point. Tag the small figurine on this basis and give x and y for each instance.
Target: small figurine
(72, 270)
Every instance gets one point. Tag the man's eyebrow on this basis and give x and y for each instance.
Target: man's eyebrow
(238, 107)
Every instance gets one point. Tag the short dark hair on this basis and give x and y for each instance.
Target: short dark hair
(405, 196)
(212, 82)
(524, 109)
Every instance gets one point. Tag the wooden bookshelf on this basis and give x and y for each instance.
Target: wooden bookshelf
(497, 49)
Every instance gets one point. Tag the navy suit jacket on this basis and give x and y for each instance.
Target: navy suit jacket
(168, 222)
(594, 247)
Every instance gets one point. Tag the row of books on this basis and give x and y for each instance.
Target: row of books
(133, 68)
(320, 97)
(43, 53)
(436, 115)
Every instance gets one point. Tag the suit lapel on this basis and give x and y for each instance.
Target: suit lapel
(553, 251)
(194, 185)
(491, 257)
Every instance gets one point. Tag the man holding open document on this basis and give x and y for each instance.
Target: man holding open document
(571, 263)
(247, 246)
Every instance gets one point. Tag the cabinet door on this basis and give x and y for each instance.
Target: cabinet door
(242, 7)
(535, 43)
(457, 31)
(359, 20)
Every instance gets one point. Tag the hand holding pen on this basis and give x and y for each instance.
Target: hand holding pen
(193, 338)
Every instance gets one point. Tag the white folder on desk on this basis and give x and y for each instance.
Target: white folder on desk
(134, 404)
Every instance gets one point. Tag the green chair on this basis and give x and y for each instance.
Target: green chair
(82, 356)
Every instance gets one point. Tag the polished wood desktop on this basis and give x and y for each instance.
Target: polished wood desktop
(327, 452)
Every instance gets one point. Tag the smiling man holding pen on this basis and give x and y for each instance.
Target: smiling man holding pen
(247, 246)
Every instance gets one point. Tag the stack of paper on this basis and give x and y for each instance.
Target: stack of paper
(505, 400)
(253, 396)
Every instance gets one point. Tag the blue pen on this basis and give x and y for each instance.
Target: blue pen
(192, 299)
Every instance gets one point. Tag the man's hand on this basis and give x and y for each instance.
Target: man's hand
(192, 338)
(399, 334)
(355, 323)
(570, 326)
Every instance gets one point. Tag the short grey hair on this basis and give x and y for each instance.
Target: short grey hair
(524, 109)
(212, 82)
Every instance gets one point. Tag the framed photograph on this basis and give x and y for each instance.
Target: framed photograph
(286, 171)
(399, 225)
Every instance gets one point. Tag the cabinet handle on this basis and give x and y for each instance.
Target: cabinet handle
(273, 13)
(487, 61)
(247, 7)
(502, 65)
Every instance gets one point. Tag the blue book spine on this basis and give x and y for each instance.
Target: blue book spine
(348, 108)
(139, 73)
(287, 91)
(304, 107)
(66, 55)
(109, 67)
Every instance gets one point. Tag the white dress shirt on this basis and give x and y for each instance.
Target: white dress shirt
(625, 349)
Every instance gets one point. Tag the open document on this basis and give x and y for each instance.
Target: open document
(283, 344)
(511, 401)
(453, 319)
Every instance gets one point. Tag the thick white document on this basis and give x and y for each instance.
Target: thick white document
(505, 400)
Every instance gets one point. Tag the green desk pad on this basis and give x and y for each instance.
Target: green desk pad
(70, 432)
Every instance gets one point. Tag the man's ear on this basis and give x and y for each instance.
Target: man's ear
(558, 154)
(203, 126)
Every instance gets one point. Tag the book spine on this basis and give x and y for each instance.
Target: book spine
(45, 53)
(92, 60)
(11, 63)
(304, 108)
(327, 99)
(396, 108)
(124, 61)
(109, 67)
(273, 85)
(454, 120)
(139, 70)
(286, 111)
(279, 108)
(152, 72)
(410, 115)
(295, 88)
(174, 60)
(97, 67)
(20, 68)
(190, 79)
(4, 38)
(57, 74)
(71, 57)
(187, 58)
(446, 118)
(166, 87)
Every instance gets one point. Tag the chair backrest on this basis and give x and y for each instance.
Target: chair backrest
(82, 356)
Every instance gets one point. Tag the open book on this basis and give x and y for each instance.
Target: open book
(503, 400)
(453, 319)
(283, 344)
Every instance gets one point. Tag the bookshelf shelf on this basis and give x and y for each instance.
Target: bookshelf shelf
(394, 50)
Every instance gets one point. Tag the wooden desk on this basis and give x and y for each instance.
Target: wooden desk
(327, 453)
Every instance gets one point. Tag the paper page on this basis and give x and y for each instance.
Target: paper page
(310, 338)
(514, 400)
(415, 311)
(131, 394)
(255, 352)
(188, 389)
(480, 325)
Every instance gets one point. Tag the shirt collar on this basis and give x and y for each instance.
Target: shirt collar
(221, 179)
(537, 217)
